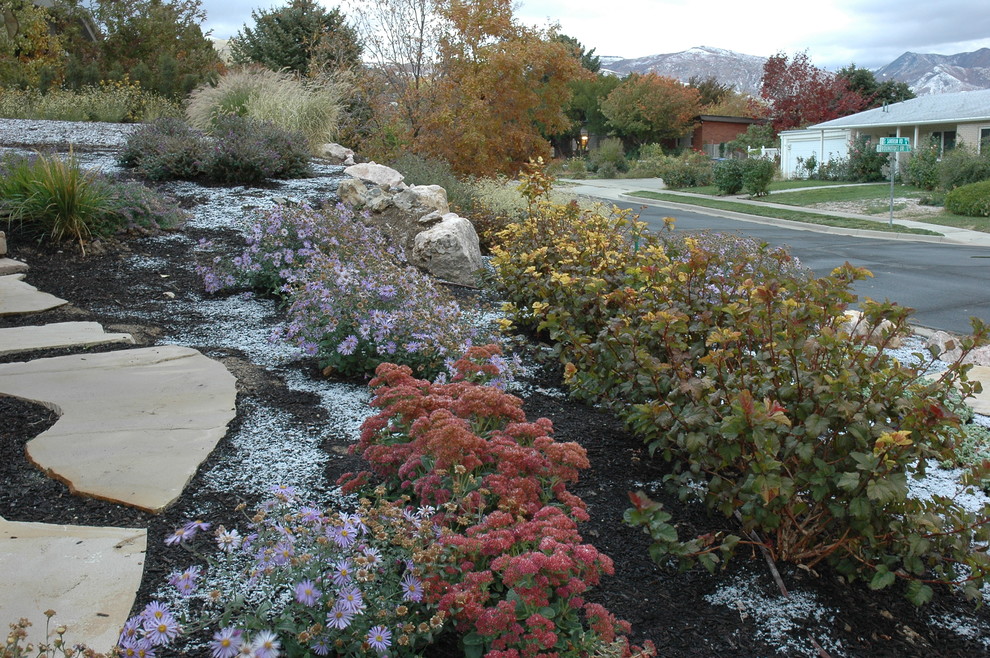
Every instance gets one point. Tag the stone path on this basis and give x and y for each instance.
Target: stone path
(17, 297)
(14, 340)
(134, 427)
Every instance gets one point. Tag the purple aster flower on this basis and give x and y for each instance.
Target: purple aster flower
(342, 570)
(348, 345)
(185, 582)
(180, 535)
(307, 593)
(339, 617)
(197, 525)
(228, 540)
(412, 588)
(350, 597)
(344, 535)
(320, 647)
(265, 645)
(226, 643)
(372, 555)
(156, 611)
(161, 631)
(380, 638)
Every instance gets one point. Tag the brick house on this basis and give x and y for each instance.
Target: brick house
(713, 132)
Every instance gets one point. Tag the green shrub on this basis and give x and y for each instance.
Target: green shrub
(608, 170)
(609, 150)
(962, 166)
(971, 200)
(312, 107)
(865, 164)
(922, 168)
(247, 151)
(728, 176)
(757, 174)
(166, 149)
(241, 151)
(734, 366)
(650, 152)
(689, 169)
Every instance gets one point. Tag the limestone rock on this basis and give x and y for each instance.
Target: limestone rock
(337, 154)
(449, 251)
(422, 199)
(949, 349)
(376, 174)
(857, 327)
(352, 192)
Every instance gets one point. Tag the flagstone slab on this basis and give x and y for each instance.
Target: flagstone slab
(11, 266)
(981, 401)
(89, 576)
(134, 424)
(56, 335)
(19, 297)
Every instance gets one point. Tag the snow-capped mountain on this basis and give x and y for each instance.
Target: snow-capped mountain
(940, 74)
(925, 74)
(743, 72)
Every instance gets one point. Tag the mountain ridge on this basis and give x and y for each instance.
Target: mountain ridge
(924, 73)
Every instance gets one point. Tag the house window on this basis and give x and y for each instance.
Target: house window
(984, 140)
(946, 140)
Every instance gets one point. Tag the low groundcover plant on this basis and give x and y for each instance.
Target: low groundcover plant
(304, 580)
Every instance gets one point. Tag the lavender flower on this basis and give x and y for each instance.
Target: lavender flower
(307, 593)
(380, 638)
(226, 643)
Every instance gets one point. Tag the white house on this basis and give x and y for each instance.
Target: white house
(950, 119)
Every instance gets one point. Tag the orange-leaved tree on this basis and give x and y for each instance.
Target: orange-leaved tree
(651, 108)
(499, 88)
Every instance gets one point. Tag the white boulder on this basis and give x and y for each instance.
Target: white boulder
(449, 251)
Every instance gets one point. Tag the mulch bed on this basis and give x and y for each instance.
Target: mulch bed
(663, 604)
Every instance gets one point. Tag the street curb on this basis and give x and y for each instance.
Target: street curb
(798, 226)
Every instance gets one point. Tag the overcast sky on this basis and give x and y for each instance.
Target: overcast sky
(870, 33)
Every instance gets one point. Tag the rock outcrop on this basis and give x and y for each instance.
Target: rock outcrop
(416, 218)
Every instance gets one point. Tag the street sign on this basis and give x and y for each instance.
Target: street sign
(893, 148)
(906, 141)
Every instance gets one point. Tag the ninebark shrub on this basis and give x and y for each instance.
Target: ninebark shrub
(734, 366)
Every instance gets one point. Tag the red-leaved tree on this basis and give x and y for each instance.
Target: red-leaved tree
(799, 94)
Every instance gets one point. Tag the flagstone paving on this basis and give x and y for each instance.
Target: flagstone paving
(60, 334)
(88, 575)
(11, 266)
(135, 424)
(981, 401)
(18, 297)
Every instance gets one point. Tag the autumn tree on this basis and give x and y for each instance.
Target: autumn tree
(876, 93)
(30, 54)
(799, 94)
(499, 88)
(650, 108)
(301, 36)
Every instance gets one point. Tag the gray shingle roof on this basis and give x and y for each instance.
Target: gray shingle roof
(936, 108)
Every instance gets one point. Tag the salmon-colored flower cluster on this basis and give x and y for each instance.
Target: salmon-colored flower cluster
(518, 568)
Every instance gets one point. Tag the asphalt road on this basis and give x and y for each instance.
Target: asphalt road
(945, 284)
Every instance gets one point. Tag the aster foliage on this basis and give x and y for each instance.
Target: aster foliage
(353, 302)
(306, 581)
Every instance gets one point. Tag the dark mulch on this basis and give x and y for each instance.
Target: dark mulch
(664, 605)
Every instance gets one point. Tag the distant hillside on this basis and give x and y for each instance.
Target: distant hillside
(925, 74)
(940, 74)
(741, 71)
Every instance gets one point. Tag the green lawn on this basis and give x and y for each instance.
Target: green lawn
(869, 192)
(781, 213)
(775, 186)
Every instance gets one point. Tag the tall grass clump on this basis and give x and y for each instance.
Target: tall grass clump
(51, 198)
(353, 302)
(313, 107)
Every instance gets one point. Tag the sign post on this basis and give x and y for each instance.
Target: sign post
(893, 145)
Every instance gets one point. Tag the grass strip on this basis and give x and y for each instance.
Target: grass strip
(780, 213)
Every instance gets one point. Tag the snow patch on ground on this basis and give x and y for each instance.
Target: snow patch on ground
(779, 621)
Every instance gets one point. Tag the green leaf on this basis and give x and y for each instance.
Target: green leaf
(918, 593)
(849, 481)
(882, 578)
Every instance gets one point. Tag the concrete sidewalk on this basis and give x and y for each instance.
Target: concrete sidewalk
(621, 190)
